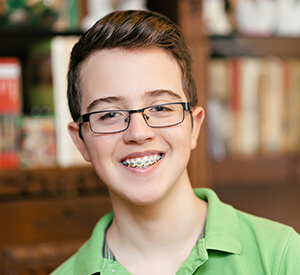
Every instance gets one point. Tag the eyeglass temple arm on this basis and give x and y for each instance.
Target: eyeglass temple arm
(79, 121)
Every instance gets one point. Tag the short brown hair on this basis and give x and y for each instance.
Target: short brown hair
(130, 30)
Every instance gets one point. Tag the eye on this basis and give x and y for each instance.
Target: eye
(109, 115)
(161, 108)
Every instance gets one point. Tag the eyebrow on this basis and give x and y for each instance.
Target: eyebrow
(161, 92)
(98, 101)
(113, 99)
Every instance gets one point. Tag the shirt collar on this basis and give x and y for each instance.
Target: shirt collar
(89, 257)
(222, 227)
(221, 233)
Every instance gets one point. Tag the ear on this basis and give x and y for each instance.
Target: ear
(73, 129)
(198, 117)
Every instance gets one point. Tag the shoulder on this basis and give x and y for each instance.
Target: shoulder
(272, 236)
(261, 226)
(228, 218)
(275, 242)
(263, 230)
(257, 242)
(88, 259)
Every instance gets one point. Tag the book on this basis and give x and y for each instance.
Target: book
(220, 120)
(272, 107)
(247, 122)
(38, 86)
(235, 102)
(215, 18)
(67, 153)
(253, 106)
(97, 9)
(288, 20)
(256, 17)
(58, 15)
(10, 101)
(37, 142)
(291, 111)
(68, 15)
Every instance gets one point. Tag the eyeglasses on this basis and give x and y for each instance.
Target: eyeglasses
(115, 121)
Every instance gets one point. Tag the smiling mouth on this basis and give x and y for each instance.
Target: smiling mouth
(143, 162)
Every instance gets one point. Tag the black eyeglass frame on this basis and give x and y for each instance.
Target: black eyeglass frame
(86, 117)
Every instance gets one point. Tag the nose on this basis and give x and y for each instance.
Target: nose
(138, 131)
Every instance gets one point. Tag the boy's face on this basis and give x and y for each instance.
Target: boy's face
(134, 79)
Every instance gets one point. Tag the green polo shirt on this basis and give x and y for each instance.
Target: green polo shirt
(234, 243)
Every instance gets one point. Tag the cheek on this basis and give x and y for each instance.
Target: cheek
(100, 149)
(179, 140)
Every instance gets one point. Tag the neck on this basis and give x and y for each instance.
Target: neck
(175, 220)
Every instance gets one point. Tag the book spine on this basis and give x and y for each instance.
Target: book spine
(294, 106)
(235, 99)
(274, 108)
(249, 110)
(67, 153)
(10, 73)
(254, 107)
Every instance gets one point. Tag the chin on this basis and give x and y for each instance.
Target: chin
(145, 201)
(144, 197)
(149, 196)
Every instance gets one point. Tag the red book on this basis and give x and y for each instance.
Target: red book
(10, 73)
(236, 86)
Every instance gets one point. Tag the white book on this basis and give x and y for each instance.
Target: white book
(288, 19)
(217, 146)
(248, 119)
(219, 110)
(293, 106)
(272, 109)
(256, 17)
(67, 153)
(215, 18)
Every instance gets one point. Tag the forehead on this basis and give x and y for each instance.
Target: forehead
(129, 74)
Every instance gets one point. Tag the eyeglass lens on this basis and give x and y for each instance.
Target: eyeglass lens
(112, 121)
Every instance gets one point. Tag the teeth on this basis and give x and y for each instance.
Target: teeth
(143, 162)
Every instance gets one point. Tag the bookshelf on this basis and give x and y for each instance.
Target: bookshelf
(277, 168)
(262, 184)
(43, 208)
(190, 21)
(17, 42)
(57, 206)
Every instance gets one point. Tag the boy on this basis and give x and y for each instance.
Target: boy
(134, 105)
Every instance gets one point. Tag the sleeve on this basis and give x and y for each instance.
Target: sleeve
(289, 263)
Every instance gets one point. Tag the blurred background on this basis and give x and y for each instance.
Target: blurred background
(247, 68)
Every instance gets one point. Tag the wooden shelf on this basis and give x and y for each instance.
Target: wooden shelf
(27, 32)
(17, 41)
(239, 45)
(258, 170)
(49, 182)
(270, 170)
(40, 258)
